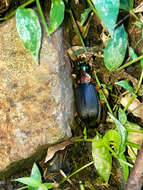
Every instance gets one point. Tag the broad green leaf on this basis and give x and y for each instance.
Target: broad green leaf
(126, 86)
(84, 16)
(113, 138)
(132, 53)
(107, 11)
(56, 15)
(122, 132)
(115, 50)
(124, 167)
(35, 173)
(122, 116)
(126, 4)
(28, 181)
(102, 159)
(29, 30)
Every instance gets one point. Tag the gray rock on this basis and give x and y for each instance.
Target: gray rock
(36, 102)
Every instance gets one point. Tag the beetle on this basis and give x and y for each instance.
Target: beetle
(86, 98)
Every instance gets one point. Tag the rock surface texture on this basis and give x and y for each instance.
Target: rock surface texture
(35, 101)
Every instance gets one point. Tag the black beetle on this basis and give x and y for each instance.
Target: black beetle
(86, 99)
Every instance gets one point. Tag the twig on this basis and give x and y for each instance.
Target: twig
(42, 17)
(85, 166)
(77, 30)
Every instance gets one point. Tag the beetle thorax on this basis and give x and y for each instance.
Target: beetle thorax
(85, 78)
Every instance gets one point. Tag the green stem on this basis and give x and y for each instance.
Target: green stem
(102, 93)
(13, 12)
(116, 156)
(134, 130)
(77, 30)
(92, 7)
(81, 186)
(21, 188)
(140, 82)
(85, 166)
(82, 140)
(42, 17)
(130, 63)
(136, 91)
(129, 102)
(133, 145)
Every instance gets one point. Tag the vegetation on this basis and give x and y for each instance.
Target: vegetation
(115, 141)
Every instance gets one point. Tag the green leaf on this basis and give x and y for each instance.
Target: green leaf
(28, 181)
(49, 185)
(29, 30)
(42, 187)
(56, 15)
(124, 167)
(125, 85)
(122, 132)
(122, 116)
(126, 4)
(102, 159)
(107, 11)
(35, 173)
(141, 63)
(113, 138)
(84, 16)
(138, 24)
(132, 53)
(115, 50)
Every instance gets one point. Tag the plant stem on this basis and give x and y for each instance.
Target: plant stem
(129, 102)
(133, 145)
(13, 12)
(77, 30)
(116, 156)
(136, 91)
(135, 130)
(92, 7)
(140, 82)
(81, 186)
(42, 17)
(85, 166)
(130, 63)
(102, 93)
(21, 188)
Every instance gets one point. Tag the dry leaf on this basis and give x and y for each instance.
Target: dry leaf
(135, 137)
(139, 8)
(136, 107)
(84, 29)
(53, 149)
(71, 51)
